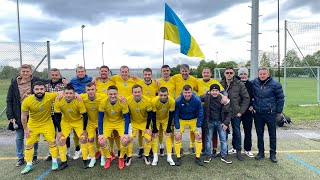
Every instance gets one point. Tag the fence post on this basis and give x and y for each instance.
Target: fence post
(318, 77)
(285, 59)
(48, 56)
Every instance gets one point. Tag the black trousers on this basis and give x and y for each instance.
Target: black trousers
(247, 120)
(260, 120)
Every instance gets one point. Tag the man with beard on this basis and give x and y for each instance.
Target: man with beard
(38, 107)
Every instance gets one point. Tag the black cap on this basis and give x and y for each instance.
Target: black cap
(215, 86)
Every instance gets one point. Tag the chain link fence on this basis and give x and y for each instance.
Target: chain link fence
(37, 54)
(299, 85)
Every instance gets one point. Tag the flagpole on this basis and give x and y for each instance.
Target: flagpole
(163, 44)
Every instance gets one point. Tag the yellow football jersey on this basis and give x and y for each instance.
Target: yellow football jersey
(180, 82)
(149, 90)
(113, 113)
(162, 110)
(71, 112)
(102, 87)
(92, 106)
(203, 86)
(39, 111)
(124, 87)
(170, 85)
(138, 110)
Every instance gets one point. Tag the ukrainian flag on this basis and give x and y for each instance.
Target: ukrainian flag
(176, 32)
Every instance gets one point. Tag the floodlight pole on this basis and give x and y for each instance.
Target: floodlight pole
(18, 16)
(273, 46)
(84, 61)
(102, 54)
(279, 40)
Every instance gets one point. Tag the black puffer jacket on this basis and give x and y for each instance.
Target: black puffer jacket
(14, 102)
(238, 94)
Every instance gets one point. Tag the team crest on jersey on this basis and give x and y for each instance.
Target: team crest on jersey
(113, 112)
(41, 108)
(69, 110)
(125, 84)
(138, 109)
(164, 109)
(205, 89)
(104, 90)
(148, 92)
(93, 108)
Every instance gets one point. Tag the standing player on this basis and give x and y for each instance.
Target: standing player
(38, 107)
(124, 82)
(149, 86)
(166, 81)
(91, 101)
(188, 112)
(113, 115)
(181, 80)
(71, 114)
(163, 106)
(102, 84)
(140, 114)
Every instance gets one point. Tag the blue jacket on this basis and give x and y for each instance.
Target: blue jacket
(79, 84)
(268, 97)
(188, 110)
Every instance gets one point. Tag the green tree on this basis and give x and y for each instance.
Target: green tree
(227, 64)
(9, 72)
(265, 60)
(312, 60)
(292, 59)
(210, 64)
(175, 70)
(248, 64)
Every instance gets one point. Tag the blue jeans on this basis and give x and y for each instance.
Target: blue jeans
(236, 133)
(20, 144)
(222, 136)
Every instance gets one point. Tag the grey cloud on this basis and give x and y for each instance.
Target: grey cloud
(314, 5)
(70, 48)
(221, 31)
(96, 11)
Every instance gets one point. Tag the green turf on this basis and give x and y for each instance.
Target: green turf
(250, 168)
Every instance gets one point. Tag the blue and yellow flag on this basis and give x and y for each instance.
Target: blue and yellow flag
(176, 32)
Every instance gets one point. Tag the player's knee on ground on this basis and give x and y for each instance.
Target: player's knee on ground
(178, 137)
(62, 141)
(198, 138)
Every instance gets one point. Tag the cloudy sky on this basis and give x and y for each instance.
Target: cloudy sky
(132, 31)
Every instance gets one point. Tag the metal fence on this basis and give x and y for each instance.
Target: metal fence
(37, 54)
(300, 86)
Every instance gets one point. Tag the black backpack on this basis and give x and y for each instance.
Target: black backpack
(283, 119)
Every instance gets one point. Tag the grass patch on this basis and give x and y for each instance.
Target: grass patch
(302, 113)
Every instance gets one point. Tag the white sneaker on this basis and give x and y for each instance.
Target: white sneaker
(69, 154)
(103, 161)
(77, 154)
(170, 161)
(92, 163)
(249, 154)
(232, 151)
(155, 160)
